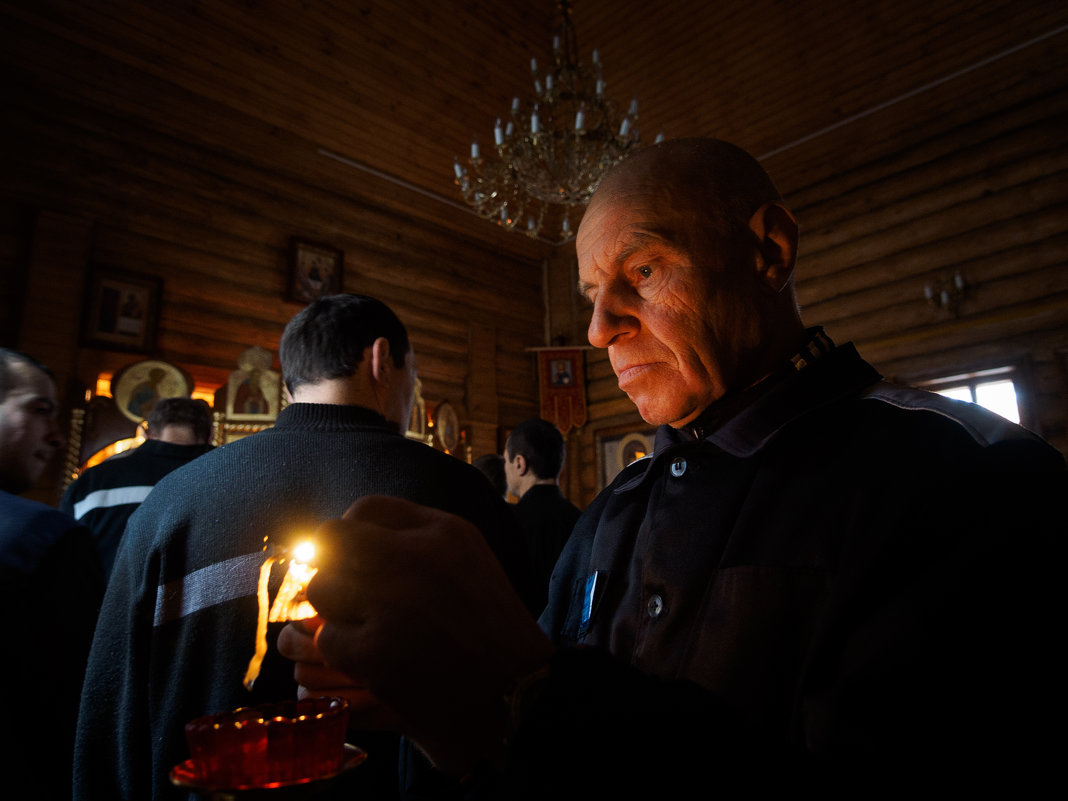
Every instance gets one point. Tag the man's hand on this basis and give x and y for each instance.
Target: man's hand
(416, 606)
(297, 642)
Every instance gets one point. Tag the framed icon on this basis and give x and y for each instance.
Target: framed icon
(446, 427)
(315, 270)
(121, 310)
(137, 387)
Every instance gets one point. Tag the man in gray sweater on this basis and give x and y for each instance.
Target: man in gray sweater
(178, 625)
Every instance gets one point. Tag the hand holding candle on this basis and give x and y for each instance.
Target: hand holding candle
(416, 606)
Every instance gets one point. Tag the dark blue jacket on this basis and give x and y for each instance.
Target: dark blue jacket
(844, 576)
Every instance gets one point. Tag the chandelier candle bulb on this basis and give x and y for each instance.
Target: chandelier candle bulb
(580, 118)
(459, 170)
(474, 150)
(498, 133)
(535, 123)
(624, 128)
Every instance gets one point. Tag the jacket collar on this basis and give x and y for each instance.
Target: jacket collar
(745, 423)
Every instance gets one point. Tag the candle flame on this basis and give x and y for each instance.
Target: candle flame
(289, 604)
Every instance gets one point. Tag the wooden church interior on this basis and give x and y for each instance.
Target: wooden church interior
(186, 150)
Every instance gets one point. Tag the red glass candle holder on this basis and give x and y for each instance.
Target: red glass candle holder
(269, 745)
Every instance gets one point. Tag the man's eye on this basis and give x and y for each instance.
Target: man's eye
(645, 271)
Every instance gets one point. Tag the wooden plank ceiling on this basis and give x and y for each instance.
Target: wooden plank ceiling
(401, 88)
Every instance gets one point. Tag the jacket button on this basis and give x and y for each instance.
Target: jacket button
(678, 467)
(656, 606)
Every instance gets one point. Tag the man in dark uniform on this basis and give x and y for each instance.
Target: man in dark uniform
(104, 496)
(50, 579)
(533, 459)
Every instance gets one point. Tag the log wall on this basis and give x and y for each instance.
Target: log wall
(83, 191)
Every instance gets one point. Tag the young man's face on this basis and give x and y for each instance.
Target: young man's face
(29, 435)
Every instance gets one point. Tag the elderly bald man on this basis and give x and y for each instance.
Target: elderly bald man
(817, 579)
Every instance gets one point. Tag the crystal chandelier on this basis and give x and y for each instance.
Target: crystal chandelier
(549, 155)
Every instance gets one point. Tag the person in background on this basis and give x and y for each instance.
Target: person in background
(491, 465)
(533, 459)
(104, 496)
(818, 582)
(51, 581)
(181, 606)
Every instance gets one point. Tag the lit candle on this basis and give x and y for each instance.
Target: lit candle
(289, 604)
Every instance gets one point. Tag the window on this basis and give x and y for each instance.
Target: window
(992, 389)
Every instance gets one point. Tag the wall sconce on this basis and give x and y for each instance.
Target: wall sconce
(947, 293)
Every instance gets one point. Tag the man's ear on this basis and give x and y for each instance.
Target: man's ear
(520, 463)
(381, 363)
(775, 229)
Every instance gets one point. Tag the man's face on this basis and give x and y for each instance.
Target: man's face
(29, 435)
(678, 314)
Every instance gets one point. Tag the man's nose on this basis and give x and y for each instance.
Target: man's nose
(612, 319)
